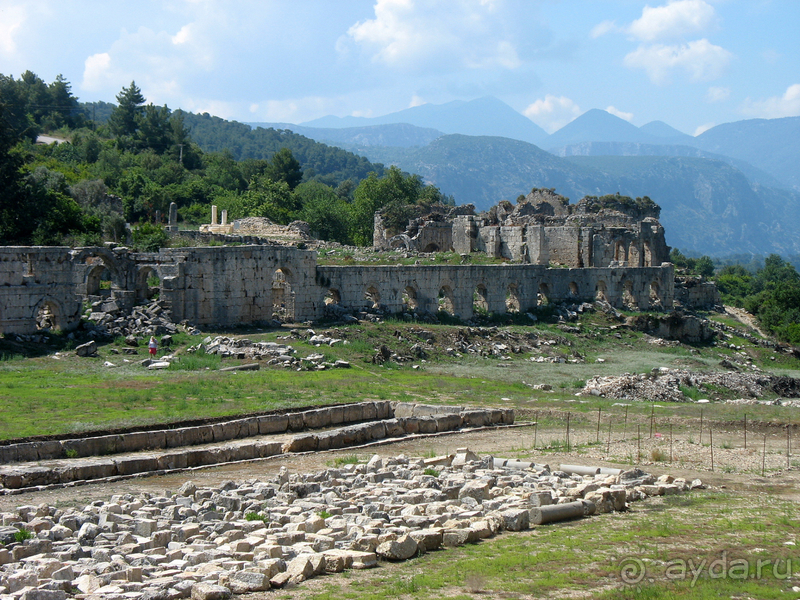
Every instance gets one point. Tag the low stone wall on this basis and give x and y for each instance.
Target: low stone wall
(364, 423)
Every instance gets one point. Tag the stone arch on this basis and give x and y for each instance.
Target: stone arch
(48, 315)
(400, 241)
(148, 284)
(601, 291)
(633, 255)
(431, 248)
(648, 254)
(574, 292)
(282, 294)
(332, 297)
(445, 300)
(628, 297)
(513, 304)
(372, 297)
(410, 298)
(480, 304)
(98, 280)
(543, 295)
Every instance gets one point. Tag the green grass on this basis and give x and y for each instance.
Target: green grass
(586, 558)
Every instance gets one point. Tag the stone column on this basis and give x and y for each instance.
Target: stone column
(213, 214)
(224, 217)
(173, 217)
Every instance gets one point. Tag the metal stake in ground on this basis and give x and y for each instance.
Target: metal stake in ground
(535, 427)
(745, 431)
(567, 432)
(652, 418)
(711, 444)
(608, 445)
(764, 457)
(701, 426)
(670, 442)
(788, 444)
(638, 443)
(625, 424)
(599, 409)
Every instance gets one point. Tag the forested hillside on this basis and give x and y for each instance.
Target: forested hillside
(130, 164)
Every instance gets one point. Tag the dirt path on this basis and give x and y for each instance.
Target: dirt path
(745, 318)
(735, 468)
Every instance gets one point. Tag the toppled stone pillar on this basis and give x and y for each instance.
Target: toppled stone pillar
(551, 513)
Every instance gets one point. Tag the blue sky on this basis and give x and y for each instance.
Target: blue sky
(690, 63)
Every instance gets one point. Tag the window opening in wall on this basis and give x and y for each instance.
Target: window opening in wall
(573, 289)
(282, 295)
(47, 317)
(332, 297)
(600, 291)
(655, 297)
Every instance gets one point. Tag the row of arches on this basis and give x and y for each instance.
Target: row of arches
(515, 300)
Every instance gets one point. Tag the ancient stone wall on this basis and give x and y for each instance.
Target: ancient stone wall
(44, 287)
(37, 286)
(504, 288)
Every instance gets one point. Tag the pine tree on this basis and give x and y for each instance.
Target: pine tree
(125, 118)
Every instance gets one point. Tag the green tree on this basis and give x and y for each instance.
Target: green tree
(326, 213)
(124, 120)
(284, 167)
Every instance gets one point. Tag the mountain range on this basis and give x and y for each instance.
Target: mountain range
(735, 188)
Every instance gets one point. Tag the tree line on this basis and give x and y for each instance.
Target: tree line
(129, 164)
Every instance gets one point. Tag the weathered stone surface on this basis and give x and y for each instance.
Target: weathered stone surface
(402, 548)
(210, 591)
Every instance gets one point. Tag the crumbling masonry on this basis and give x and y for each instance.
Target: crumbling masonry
(45, 287)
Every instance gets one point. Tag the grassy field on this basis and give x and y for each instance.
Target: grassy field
(45, 392)
(701, 545)
(732, 541)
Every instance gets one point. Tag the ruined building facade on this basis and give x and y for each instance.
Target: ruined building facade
(542, 229)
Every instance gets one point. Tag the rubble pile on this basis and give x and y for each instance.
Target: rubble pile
(273, 353)
(664, 385)
(153, 319)
(252, 536)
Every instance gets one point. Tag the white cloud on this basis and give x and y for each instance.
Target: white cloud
(717, 94)
(435, 34)
(703, 128)
(12, 17)
(673, 20)
(775, 107)
(416, 101)
(603, 28)
(183, 36)
(95, 71)
(700, 59)
(552, 112)
(618, 113)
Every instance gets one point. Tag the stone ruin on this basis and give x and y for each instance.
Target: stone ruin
(269, 532)
(543, 228)
(44, 288)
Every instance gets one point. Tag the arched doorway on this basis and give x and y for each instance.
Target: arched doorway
(282, 295)
(410, 301)
(573, 290)
(628, 298)
(431, 248)
(633, 255)
(48, 316)
(648, 254)
(601, 291)
(543, 296)
(332, 297)
(480, 305)
(655, 296)
(373, 298)
(148, 285)
(445, 300)
(619, 251)
(512, 299)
